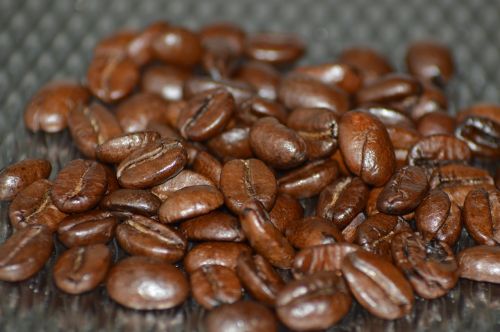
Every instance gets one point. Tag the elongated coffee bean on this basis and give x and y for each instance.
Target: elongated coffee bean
(213, 285)
(115, 150)
(18, 176)
(91, 227)
(131, 200)
(480, 263)
(481, 216)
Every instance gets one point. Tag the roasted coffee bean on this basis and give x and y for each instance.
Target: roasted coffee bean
(135, 113)
(214, 253)
(231, 144)
(404, 191)
(259, 277)
(245, 180)
(219, 63)
(350, 231)
(437, 217)
(241, 91)
(276, 144)
(274, 48)
(88, 228)
(140, 48)
(436, 123)
(165, 131)
(115, 150)
(368, 62)
(315, 302)
(226, 36)
(264, 237)
(430, 61)
(481, 110)
(481, 216)
(133, 201)
(190, 202)
(115, 44)
(341, 201)
(312, 231)
(145, 283)
(389, 88)
(251, 110)
(111, 179)
(25, 252)
(366, 147)
(325, 257)
(430, 267)
(165, 80)
(152, 165)
(286, 209)
(378, 285)
(206, 115)
(262, 76)
(184, 179)
(214, 226)
(336, 74)
(33, 206)
(432, 99)
(14, 178)
(301, 91)
(178, 46)
(391, 117)
(482, 135)
(244, 316)
(48, 109)
(79, 186)
(310, 179)
(480, 263)
(81, 269)
(213, 285)
(402, 139)
(319, 129)
(142, 236)
(438, 150)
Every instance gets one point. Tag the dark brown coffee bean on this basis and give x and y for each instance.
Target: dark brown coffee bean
(166, 81)
(259, 277)
(213, 285)
(140, 48)
(131, 200)
(481, 110)
(336, 74)
(255, 108)
(14, 178)
(262, 76)
(391, 117)
(152, 165)
(286, 209)
(241, 91)
(214, 253)
(231, 144)
(115, 150)
(319, 129)
(366, 147)
(430, 61)
(404, 191)
(481, 216)
(480, 263)
(190, 202)
(88, 228)
(368, 62)
(430, 267)
(214, 226)
(432, 99)
(142, 236)
(245, 180)
(220, 62)
(438, 150)
(274, 48)
(226, 36)
(81, 269)
(184, 179)
(115, 44)
(145, 283)
(389, 88)
(341, 201)
(90, 126)
(33, 206)
(178, 46)
(244, 316)
(378, 285)
(402, 139)
(436, 123)
(438, 218)
(315, 302)
(135, 113)
(337, 156)
(302, 91)
(79, 186)
(312, 231)
(25, 253)
(48, 109)
(310, 179)
(482, 135)
(350, 231)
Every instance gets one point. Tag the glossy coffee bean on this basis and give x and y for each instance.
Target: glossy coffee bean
(247, 316)
(285, 211)
(436, 123)
(115, 150)
(135, 113)
(438, 150)
(214, 226)
(214, 253)
(312, 231)
(34, 206)
(152, 165)
(213, 285)
(391, 117)
(480, 263)
(48, 109)
(241, 91)
(88, 228)
(430, 61)
(402, 139)
(430, 267)
(178, 46)
(79, 186)
(368, 62)
(243, 180)
(166, 81)
(183, 179)
(25, 253)
(145, 283)
(115, 44)
(274, 48)
(219, 62)
(366, 147)
(481, 216)
(482, 135)
(14, 178)
(131, 200)
(231, 144)
(378, 285)
(341, 75)
(262, 76)
(81, 269)
(349, 232)
(315, 302)
(140, 48)
(206, 164)
(432, 99)
(222, 35)
(389, 88)
(481, 110)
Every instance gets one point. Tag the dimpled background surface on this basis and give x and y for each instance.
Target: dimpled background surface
(41, 40)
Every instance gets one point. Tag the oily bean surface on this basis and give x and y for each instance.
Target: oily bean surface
(131, 200)
(214, 226)
(214, 253)
(480, 263)
(481, 216)
(213, 285)
(312, 231)
(115, 150)
(18, 176)
(92, 227)
(183, 179)
(248, 316)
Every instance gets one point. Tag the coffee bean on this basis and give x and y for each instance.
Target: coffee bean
(219, 62)
(115, 150)
(79, 186)
(255, 108)
(214, 253)
(166, 81)
(225, 36)
(274, 48)
(115, 44)
(14, 178)
(315, 302)
(204, 163)
(482, 135)
(481, 216)
(430, 61)
(135, 113)
(241, 91)
(178, 46)
(152, 165)
(33, 206)
(402, 139)
(81, 269)
(436, 123)
(145, 283)
(286, 209)
(341, 75)
(25, 252)
(377, 285)
(480, 263)
(140, 48)
(88, 228)
(245, 316)
(430, 267)
(262, 76)
(231, 144)
(214, 226)
(438, 150)
(481, 110)
(391, 117)
(133, 201)
(368, 62)
(350, 231)
(111, 179)
(312, 231)
(184, 179)
(389, 88)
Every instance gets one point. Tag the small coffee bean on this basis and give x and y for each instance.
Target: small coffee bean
(286, 209)
(225, 36)
(430, 61)
(436, 123)
(391, 117)
(214, 253)
(262, 76)
(14, 178)
(204, 163)
(274, 48)
(115, 150)
(166, 81)
(241, 91)
(88, 228)
(481, 110)
(368, 62)
(389, 88)
(482, 135)
(135, 113)
(341, 75)
(438, 150)
(140, 48)
(131, 200)
(214, 226)
(245, 316)
(312, 231)
(115, 44)
(178, 46)
(350, 231)
(481, 216)
(402, 139)
(480, 263)
(231, 144)
(432, 99)
(184, 179)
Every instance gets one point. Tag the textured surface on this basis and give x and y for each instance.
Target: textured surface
(42, 39)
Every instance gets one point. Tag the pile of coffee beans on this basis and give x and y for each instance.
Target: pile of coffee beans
(266, 190)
